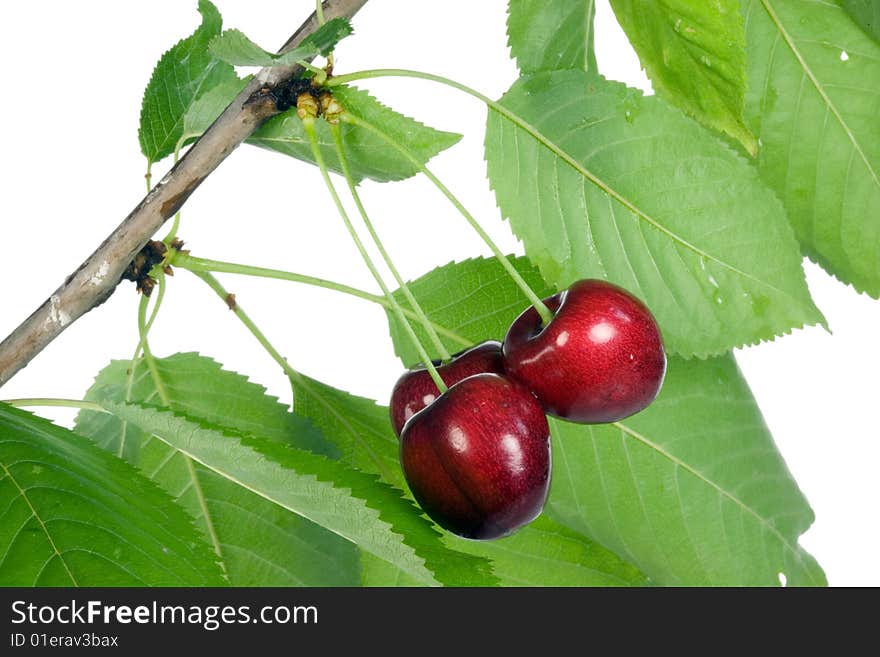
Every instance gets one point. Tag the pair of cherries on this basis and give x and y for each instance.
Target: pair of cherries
(477, 457)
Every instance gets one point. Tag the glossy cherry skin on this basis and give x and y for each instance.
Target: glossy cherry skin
(478, 459)
(600, 359)
(415, 389)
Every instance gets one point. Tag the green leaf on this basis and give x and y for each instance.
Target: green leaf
(694, 53)
(475, 299)
(369, 156)
(546, 553)
(552, 36)
(359, 427)
(692, 490)
(350, 503)
(543, 553)
(207, 107)
(183, 73)
(233, 47)
(867, 14)
(813, 100)
(258, 542)
(72, 515)
(638, 194)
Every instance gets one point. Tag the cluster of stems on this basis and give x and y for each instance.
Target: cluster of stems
(335, 116)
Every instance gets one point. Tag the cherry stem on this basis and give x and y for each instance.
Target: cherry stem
(143, 328)
(319, 13)
(545, 313)
(404, 288)
(51, 402)
(142, 309)
(194, 264)
(144, 325)
(309, 125)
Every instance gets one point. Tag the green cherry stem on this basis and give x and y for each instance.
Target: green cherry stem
(545, 313)
(194, 264)
(215, 285)
(148, 354)
(142, 309)
(417, 308)
(319, 12)
(309, 125)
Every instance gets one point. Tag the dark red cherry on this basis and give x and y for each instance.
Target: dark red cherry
(478, 459)
(415, 389)
(600, 359)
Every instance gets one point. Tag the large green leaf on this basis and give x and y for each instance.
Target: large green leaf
(476, 296)
(692, 490)
(813, 100)
(72, 515)
(368, 156)
(552, 36)
(541, 554)
(258, 542)
(636, 193)
(183, 73)
(694, 53)
(867, 14)
(350, 503)
(234, 47)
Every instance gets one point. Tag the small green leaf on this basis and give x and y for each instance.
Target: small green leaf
(692, 490)
(350, 503)
(867, 14)
(694, 53)
(72, 515)
(638, 194)
(207, 107)
(369, 156)
(552, 36)
(472, 299)
(258, 542)
(233, 47)
(183, 73)
(813, 99)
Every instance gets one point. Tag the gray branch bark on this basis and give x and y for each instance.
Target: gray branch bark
(97, 278)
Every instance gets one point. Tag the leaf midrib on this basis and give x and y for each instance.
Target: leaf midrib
(808, 71)
(793, 549)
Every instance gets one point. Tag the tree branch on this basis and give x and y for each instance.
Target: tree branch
(96, 279)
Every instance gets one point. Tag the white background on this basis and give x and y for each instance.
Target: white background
(73, 76)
